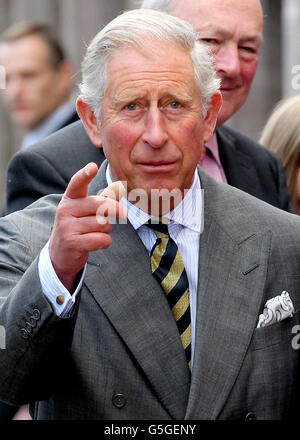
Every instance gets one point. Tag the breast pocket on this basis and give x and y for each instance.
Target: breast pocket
(281, 332)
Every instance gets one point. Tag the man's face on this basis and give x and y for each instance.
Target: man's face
(233, 31)
(33, 87)
(152, 127)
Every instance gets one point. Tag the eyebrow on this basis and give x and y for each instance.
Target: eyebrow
(123, 99)
(212, 29)
(181, 97)
(119, 99)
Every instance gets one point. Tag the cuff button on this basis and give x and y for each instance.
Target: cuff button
(60, 299)
(36, 314)
(24, 333)
(32, 322)
(28, 327)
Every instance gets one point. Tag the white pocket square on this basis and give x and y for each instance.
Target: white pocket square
(276, 309)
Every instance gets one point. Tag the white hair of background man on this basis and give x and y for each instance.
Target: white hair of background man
(133, 29)
(158, 5)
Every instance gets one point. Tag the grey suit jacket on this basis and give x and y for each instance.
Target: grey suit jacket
(119, 355)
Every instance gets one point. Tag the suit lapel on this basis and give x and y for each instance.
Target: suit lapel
(231, 283)
(134, 303)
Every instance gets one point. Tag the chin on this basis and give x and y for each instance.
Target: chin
(22, 122)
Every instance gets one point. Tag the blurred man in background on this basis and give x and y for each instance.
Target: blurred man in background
(39, 80)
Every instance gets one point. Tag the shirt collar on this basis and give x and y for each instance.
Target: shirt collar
(188, 213)
(212, 145)
(49, 125)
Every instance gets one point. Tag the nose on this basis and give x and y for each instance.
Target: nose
(228, 62)
(155, 133)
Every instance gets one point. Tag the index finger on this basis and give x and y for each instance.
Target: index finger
(78, 186)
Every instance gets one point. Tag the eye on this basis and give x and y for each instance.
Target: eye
(175, 104)
(248, 49)
(131, 107)
(28, 76)
(208, 40)
(248, 53)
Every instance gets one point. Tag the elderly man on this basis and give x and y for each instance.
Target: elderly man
(38, 81)
(233, 30)
(144, 318)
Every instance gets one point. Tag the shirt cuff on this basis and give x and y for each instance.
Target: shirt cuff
(60, 298)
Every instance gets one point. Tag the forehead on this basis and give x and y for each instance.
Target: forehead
(245, 16)
(27, 51)
(159, 64)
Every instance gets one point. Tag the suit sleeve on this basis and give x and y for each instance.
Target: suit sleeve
(35, 341)
(31, 176)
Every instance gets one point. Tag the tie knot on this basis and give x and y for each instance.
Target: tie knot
(159, 225)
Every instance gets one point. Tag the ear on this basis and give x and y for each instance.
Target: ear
(211, 116)
(90, 122)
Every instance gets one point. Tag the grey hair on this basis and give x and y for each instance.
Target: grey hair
(158, 5)
(132, 29)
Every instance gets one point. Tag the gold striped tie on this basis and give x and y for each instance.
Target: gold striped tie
(168, 269)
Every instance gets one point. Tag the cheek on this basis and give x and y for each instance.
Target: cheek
(190, 133)
(120, 136)
(248, 72)
(39, 93)
(45, 84)
(119, 141)
(189, 139)
(7, 95)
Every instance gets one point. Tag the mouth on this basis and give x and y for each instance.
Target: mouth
(158, 167)
(227, 89)
(19, 107)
